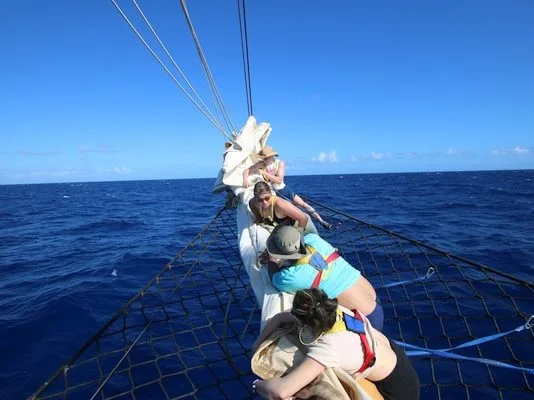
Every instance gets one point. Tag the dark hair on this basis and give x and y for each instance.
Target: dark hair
(314, 309)
(261, 188)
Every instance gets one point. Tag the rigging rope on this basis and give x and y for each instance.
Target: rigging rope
(172, 59)
(120, 361)
(244, 52)
(211, 119)
(207, 71)
(428, 274)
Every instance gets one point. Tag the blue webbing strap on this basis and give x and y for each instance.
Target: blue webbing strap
(428, 274)
(421, 351)
(476, 359)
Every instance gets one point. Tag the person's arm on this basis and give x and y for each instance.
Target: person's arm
(245, 178)
(287, 386)
(288, 209)
(257, 166)
(273, 324)
(280, 174)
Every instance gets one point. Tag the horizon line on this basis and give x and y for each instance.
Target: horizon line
(329, 174)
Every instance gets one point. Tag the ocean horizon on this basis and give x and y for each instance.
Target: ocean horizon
(287, 175)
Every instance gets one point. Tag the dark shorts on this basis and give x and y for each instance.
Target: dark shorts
(286, 192)
(376, 318)
(403, 382)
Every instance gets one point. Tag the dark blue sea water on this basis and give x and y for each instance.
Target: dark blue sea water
(72, 254)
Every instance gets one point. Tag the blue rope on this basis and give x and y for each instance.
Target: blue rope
(476, 359)
(428, 274)
(421, 351)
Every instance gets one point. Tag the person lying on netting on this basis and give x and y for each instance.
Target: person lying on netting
(337, 337)
(270, 210)
(273, 171)
(299, 260)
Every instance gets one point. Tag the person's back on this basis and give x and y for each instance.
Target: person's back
(337, 337)
(337, 278)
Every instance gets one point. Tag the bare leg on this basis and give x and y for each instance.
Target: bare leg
(301, 203)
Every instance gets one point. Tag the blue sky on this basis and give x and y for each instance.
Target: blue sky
(348, 87)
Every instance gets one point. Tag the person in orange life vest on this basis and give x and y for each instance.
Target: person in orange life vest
(272, 210)
(273, 171)
(299, 261)
(338, 337)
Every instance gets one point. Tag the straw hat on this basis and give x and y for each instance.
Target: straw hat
(286, 242)
(267, 152)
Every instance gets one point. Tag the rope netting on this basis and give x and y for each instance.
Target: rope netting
(188, 333)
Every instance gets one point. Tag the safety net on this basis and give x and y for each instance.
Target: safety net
(188, 333)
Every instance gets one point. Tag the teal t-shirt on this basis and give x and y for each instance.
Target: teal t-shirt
(336, 279)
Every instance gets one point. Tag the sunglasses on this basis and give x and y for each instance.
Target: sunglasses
(264, 198)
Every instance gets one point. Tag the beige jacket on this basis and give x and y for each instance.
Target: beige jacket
(282, 350)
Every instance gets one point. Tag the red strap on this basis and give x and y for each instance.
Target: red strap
(369, 357)
(331, 258)
(317, 280)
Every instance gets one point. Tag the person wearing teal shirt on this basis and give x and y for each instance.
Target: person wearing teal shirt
(298, 261)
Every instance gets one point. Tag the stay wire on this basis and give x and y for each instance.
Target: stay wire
(172, 60)
(207, 71)
(211, 80)
(214, 122)
(244, 52)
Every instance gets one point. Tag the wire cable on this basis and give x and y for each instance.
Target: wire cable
(244, 51)
(213, 121)
(172, 60)
(207, 71)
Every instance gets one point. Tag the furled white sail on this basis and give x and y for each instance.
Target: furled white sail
(242, 154)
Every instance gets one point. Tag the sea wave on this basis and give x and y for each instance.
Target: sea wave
(106, 225)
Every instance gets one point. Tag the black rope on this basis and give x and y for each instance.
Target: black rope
(244, 51)
(189, 331)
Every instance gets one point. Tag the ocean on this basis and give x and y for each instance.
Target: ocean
(72, 254)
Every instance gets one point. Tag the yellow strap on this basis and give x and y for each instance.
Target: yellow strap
(305, 260)
(271, 217)
(339, 325)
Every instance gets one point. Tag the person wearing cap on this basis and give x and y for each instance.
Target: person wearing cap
(336, 337)
(273, 171)
(299, 261)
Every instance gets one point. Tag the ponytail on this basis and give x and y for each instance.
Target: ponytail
(314, 309)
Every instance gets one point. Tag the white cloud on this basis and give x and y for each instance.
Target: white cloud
(97, 149)
(379, 156)
(451, 152)
(117, 170)
(517, 151)
(38, 153)
(521, 150)
(65, 172)
(21, 173)
(330, 157)
(122, 170)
